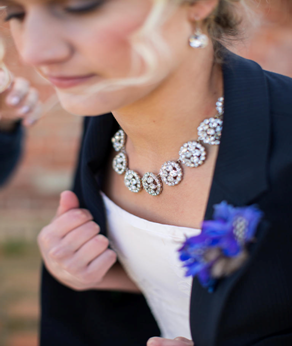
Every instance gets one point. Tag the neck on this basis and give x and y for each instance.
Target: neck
(157, 125)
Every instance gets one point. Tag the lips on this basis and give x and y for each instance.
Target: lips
(63, 82)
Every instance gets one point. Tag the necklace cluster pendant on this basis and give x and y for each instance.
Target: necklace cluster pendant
(191, 154)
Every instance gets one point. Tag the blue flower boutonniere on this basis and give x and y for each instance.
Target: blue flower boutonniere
(220, 249)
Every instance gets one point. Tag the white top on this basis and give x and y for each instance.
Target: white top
(148, 253)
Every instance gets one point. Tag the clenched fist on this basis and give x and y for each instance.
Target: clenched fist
(73, 250)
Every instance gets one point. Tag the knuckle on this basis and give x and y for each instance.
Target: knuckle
(111, 255)
(102, 240)
(93, 226)
(69, 266)
(44, 237)
(56, 253)
(33, 91)
(22, 81)
(154, 340)
(80, 214)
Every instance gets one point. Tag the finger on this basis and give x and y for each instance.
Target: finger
(4, 80)
(19, 90)
(90, 251)
(33, 116)
(29, 102)
(102, 264)
(180, 341)
(68, 200)
(68, 221)
(186, 341)
(74, 240)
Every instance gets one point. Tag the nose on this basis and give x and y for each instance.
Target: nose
(42, 40)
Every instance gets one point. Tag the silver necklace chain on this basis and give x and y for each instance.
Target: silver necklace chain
(191, 154)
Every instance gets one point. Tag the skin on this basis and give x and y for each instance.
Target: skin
(19, 102)
(156, 118)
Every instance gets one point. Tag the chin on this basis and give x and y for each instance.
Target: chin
(82, 105)
(97, 104)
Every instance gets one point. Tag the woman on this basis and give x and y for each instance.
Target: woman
(156, 69)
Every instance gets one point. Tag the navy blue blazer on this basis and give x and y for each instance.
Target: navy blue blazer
(10, 151)
(254, 165)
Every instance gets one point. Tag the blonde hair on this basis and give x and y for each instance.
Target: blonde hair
(222, 26)
(8, 76)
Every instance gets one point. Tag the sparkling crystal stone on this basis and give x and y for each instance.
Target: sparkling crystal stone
(240, 225)
(152, 184)
(118, 140)
(120, 163)
(198, 154)
(171, 177)
(212, 133)
(173, 174)
(132, 181)
(198, 40)
(219, 105)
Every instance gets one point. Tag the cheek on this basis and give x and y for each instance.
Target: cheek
(110, 52)
(105, 43)
(16, 34)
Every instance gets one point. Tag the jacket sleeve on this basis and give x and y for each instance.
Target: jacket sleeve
(10, 151)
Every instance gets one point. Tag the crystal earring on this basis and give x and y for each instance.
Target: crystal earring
(198, 39)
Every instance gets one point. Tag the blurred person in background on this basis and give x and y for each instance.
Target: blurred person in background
(157, 70)
(19, 105)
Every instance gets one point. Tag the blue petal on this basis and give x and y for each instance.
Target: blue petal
(253, 215)
(194, 269)
(184, 256)
(223, 211)
(230, 247)
(216, 228)
(205, 278)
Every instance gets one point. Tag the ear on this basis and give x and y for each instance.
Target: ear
(201, 9)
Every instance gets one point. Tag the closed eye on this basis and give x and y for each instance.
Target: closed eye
(85, 9)
(19, 16)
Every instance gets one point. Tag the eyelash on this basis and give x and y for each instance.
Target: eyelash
(76, 11)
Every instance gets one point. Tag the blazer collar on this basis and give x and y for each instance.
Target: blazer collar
(241, 168)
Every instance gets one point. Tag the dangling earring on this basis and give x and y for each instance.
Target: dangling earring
(198, 39)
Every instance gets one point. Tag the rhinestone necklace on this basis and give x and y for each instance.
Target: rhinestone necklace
(191, 154)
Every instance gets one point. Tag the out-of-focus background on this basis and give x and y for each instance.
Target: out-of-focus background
(30, 199)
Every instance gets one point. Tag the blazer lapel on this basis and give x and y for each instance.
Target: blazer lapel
(240, 175)
(95, 151)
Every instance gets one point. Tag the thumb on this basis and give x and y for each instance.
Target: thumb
(68, 201)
